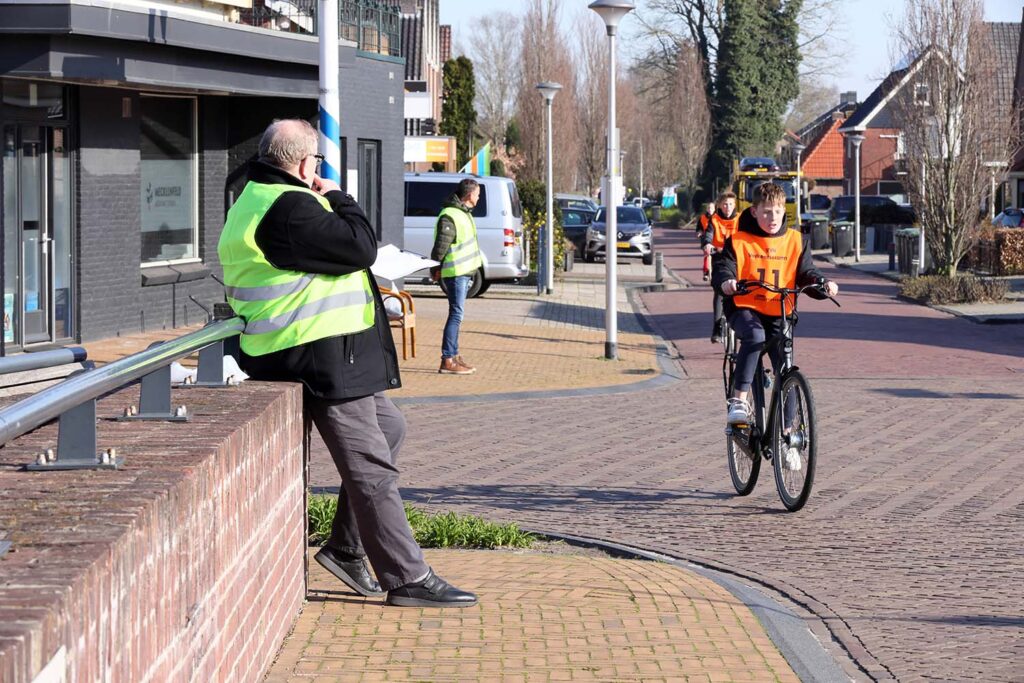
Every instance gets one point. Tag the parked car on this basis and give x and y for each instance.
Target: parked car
(758, 164)
(575, 223)
(1009, 218)
(873, 208)
(633, 238)
(499, 224)
(575, 201)
(818, 203)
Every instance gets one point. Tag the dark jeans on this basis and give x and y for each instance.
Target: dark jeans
(752, 330)
(364, 436)
(457, 288)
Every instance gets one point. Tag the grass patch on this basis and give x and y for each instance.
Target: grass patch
(963, 289)
(440, 530)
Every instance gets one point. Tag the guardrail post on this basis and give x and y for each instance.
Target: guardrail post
(659, 265)
(76, 444)
(155, 400)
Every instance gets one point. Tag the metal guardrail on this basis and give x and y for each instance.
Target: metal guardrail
(74, 399)
(42, 359)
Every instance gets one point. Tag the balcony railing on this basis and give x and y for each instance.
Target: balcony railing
(374, 26)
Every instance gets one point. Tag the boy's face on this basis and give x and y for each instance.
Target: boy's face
(770, 216)
(727, 206)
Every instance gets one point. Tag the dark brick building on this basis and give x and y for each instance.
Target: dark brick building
(125, 132)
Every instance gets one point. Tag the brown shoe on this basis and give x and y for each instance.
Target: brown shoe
(463, 363)
(451, 366)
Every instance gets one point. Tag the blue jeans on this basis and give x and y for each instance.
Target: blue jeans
(457, 288)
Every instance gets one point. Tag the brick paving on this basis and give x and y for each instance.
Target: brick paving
(907, 555)
(540, 618)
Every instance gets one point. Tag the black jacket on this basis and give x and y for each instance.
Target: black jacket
(723, 267)
(298, 234)
(446, 228)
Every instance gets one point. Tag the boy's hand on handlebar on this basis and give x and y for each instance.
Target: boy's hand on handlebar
(729, 287)
(830, 287)
(707, 249)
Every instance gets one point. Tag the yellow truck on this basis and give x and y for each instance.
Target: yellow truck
(745, 182)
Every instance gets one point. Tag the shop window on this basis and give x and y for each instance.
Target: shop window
(169, 179)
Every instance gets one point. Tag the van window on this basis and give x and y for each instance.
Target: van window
(517, 206)
(424, 198)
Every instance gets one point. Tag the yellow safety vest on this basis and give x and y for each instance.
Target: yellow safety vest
(463, 257)
(285, 308)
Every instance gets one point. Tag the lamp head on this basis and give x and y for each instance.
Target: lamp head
(612, 12)
(856, 139)
(548, 89)
(798, 148)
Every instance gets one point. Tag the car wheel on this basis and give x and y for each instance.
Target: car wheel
(476, 287)
(588, 257)
(649, 258)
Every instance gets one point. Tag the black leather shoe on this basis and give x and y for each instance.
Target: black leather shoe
(432, 591)
(353, 573)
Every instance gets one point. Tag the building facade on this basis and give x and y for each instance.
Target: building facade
(126, 130)
(421, 48)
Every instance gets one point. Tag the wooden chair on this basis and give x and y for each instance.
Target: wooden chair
(406, 320)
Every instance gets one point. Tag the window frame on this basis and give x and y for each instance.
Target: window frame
(195, 181)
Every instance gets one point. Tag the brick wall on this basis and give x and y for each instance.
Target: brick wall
(876, 161)
(186, 565)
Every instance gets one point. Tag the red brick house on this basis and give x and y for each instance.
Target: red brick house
(822, 161)
(1016, 175)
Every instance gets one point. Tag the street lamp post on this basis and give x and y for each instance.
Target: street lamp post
(611, 12)
(856, 139)
(798, 149)
(549, 89)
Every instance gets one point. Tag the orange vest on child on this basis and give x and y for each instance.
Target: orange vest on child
(724, 229)
(773, 260)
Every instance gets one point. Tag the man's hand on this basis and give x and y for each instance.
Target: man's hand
(707, 250)
(729, 287)
(435, 274)
(324, 185)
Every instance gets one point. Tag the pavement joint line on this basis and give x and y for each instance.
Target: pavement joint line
(670, 371)
(800, 647)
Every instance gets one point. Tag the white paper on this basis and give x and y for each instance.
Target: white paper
(393, 263)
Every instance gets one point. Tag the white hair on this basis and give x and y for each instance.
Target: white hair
(286, 142)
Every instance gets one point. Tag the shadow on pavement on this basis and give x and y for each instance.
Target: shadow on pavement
(904, 392)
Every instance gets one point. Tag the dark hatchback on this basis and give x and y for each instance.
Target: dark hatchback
(575, 222)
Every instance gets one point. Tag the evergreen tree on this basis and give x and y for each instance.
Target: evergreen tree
(458, 115)
(757, 77)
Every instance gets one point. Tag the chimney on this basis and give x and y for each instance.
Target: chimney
(849, 97)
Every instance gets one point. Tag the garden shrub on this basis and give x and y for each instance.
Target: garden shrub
(963, 289)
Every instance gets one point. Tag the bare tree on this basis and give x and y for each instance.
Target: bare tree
(545, 57)
(494, 50)
(591, 98)
(815, 98)
(952, 134)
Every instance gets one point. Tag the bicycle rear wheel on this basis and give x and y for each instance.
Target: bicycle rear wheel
(795, 441)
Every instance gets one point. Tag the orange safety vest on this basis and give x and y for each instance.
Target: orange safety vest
(702, 222)
(773, 260)
(724, 229)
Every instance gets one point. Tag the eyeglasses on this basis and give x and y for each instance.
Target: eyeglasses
(319, 160)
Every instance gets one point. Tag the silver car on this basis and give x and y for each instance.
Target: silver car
(633, 238)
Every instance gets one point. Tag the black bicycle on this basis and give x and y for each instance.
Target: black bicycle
(783, 431)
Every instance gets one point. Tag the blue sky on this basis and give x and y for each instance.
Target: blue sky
(869, 23)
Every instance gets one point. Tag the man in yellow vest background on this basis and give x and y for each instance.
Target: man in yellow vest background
(455, 246)
(296, 252)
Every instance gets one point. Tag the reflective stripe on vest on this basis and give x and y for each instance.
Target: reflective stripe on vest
(463, 258)
(285, 308)
(724, 228)
(769, 259)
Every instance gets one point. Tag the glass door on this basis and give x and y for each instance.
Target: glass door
(37, 235)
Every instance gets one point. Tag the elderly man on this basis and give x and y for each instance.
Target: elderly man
(296, 252)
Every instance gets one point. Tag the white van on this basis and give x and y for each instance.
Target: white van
(498, 216)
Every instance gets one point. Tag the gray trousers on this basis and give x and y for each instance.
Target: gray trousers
(364, 436)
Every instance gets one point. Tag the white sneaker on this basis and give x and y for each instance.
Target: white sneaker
(792, 459)
(739, 412)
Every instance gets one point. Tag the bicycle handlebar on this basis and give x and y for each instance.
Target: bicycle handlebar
(743, 287)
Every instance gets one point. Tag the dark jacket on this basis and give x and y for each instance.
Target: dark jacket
(446, 232)
(298, 234)
(723, 267)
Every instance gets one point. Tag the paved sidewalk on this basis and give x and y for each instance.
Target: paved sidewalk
(540, 618)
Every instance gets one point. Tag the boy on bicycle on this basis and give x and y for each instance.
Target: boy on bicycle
(765, 249)
(722, 226)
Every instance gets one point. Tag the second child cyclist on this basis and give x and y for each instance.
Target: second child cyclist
(722, 225)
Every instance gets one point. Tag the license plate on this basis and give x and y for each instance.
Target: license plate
(623, 245)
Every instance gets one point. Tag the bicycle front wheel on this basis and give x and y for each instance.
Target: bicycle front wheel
(795, 441)
(744, 465)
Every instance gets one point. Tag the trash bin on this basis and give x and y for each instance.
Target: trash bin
(906, 249)
(819, 233)
(656, 212)
(569, 257)
(842, 239)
